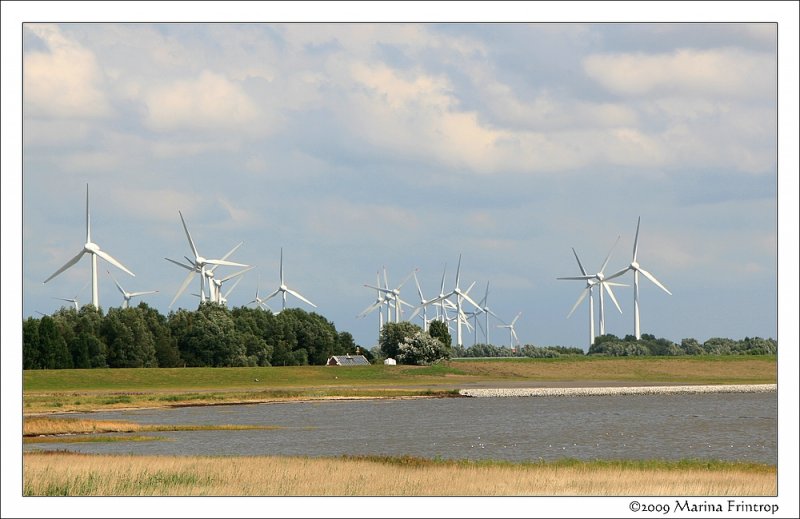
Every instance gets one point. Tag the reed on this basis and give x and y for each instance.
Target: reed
(67, 474)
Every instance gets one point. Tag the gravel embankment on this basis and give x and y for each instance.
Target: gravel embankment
(598, 391)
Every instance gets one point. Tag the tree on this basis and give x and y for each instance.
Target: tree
(394, 334)
(422, 349)
(438, 330)
(31, 345)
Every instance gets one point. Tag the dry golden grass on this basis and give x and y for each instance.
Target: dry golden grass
(48, 474)
(40, 426)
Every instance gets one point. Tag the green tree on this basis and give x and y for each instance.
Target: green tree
(211, 338)
(32, 357)
(394, 334)
(438, 330)
(54, 352)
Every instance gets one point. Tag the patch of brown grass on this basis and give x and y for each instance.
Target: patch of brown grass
(101, 475)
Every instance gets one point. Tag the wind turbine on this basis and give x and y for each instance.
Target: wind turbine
(218, 297)
(128, 295)
(636, 268)
(592, 280)
(94, 250)
(393, 294)
(214, 285)
(484, 309)
(283, 290)
(379, 302)
(198, 265)
(74, 301)
(512, 332)
(260, 302)
(459, 296)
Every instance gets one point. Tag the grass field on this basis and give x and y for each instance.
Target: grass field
(85, 390)
(63, 474)
(60, 473)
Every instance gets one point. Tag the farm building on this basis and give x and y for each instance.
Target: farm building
(348, 360)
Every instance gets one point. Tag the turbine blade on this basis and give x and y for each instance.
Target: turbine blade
(654, 280)
(578, 302)
(231, 276)
(298, 296)
(515, 319)
(272, 295)
(133, 294)
(458, 271)
(370, 308)
(187, 267)
(116, 283)
(611, 293)
(88, 228)
(636, 240)
(419, 289)
(473, 303)
(67, 265)
(225, 262)
(183, 286)
(281, 267)
(232, 287)
(188, 236)
(578, 278)
(415, 313)
(106, 256)
(385, 291)
(617, 274)
(580, 265)
(609, 255)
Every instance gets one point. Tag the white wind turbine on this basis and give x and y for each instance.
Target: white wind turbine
(460, 295)
(484, 309)
(382, 299)
(592, 280)
(94, 250)
(512, 332)
(199, 264)
(258, 301)
(636, 268)
(393, 295)
(74, 301)
(215, 285)
(128, 295)
(218, 296)
(283, 290)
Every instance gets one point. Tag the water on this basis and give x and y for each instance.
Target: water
(726, 426)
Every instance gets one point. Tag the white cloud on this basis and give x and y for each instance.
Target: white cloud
(209, 102)
(727, 72)
(64, 82)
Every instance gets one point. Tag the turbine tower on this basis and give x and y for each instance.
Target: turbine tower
(512, 332)
(460, 295)
(592, 280)
(283, 290)
(128, 295)
(94, 250)
(636, 268)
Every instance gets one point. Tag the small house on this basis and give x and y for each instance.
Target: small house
(390, 362)
(348, 360)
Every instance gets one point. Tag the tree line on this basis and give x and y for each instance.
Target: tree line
(215, 336)
(211, 336)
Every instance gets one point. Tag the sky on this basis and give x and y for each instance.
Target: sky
(356, 147)
(405, 141)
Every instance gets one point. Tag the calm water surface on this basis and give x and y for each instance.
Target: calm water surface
(728, 426)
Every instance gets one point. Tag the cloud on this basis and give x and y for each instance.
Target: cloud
(209, 102)
(65, 81)
(725, 72)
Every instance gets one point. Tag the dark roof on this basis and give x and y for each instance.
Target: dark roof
(348, 360)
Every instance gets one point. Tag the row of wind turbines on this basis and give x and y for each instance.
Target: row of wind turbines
(388, 299)
(210, 285)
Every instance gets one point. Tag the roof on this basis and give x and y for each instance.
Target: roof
(348, 360)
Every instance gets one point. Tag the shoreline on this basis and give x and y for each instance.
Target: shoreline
(475, 392)
(613, 391)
